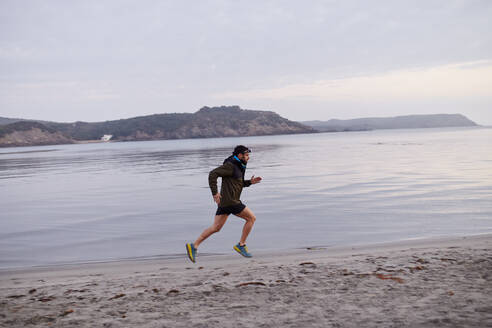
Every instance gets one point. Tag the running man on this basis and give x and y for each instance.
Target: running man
(232, 174)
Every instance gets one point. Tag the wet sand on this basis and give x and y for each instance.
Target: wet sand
(440, 282)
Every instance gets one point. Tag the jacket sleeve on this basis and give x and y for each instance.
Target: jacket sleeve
(247, 183)
(225, 170)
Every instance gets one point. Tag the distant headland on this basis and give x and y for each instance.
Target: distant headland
(397, 122)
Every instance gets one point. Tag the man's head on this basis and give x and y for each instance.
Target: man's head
(242, 152)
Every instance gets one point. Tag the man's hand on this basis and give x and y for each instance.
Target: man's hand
(255, 180)
(217, 198)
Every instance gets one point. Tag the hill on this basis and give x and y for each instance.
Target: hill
(398, 122)
(208, 122)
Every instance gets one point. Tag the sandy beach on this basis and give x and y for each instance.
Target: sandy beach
(440, 282)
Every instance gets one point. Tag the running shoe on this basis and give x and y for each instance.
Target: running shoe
(191, 250)
(243, 250)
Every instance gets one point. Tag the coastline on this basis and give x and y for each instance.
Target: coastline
(95, 141)
(438, 282)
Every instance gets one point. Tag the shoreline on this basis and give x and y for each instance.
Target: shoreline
(171, 258)
(436, 282)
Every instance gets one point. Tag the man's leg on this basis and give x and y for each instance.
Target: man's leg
(215, 227)
(250, 218)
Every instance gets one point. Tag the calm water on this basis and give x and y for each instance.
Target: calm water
(73, 203)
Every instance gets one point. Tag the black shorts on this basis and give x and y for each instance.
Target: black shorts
(233, 209)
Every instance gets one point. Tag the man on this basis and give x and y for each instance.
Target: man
(232, 174)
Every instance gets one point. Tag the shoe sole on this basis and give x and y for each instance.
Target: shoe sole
(239, 251)
(190, 253)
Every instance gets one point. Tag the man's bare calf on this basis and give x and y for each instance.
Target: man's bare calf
(219, 222)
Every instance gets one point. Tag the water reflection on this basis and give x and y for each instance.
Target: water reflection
(69, 161)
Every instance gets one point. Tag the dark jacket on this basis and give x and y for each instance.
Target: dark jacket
(232, 174)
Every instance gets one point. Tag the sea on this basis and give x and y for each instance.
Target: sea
(99, 202)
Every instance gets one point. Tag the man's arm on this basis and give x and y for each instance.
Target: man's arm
(251, 181)
(224, 170)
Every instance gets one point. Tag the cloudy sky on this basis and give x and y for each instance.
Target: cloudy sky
(101, 60)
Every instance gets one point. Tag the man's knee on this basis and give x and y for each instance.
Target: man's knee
(216, 228)
(252, 218)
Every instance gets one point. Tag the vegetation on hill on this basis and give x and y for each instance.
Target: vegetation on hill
(30, 133)
(23, 126)
(6, 120)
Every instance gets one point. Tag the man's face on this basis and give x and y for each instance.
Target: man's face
(244, 157)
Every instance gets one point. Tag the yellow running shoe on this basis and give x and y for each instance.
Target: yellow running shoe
(191, 250)
(243, 250)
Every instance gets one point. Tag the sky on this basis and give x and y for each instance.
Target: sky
(86, 60)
